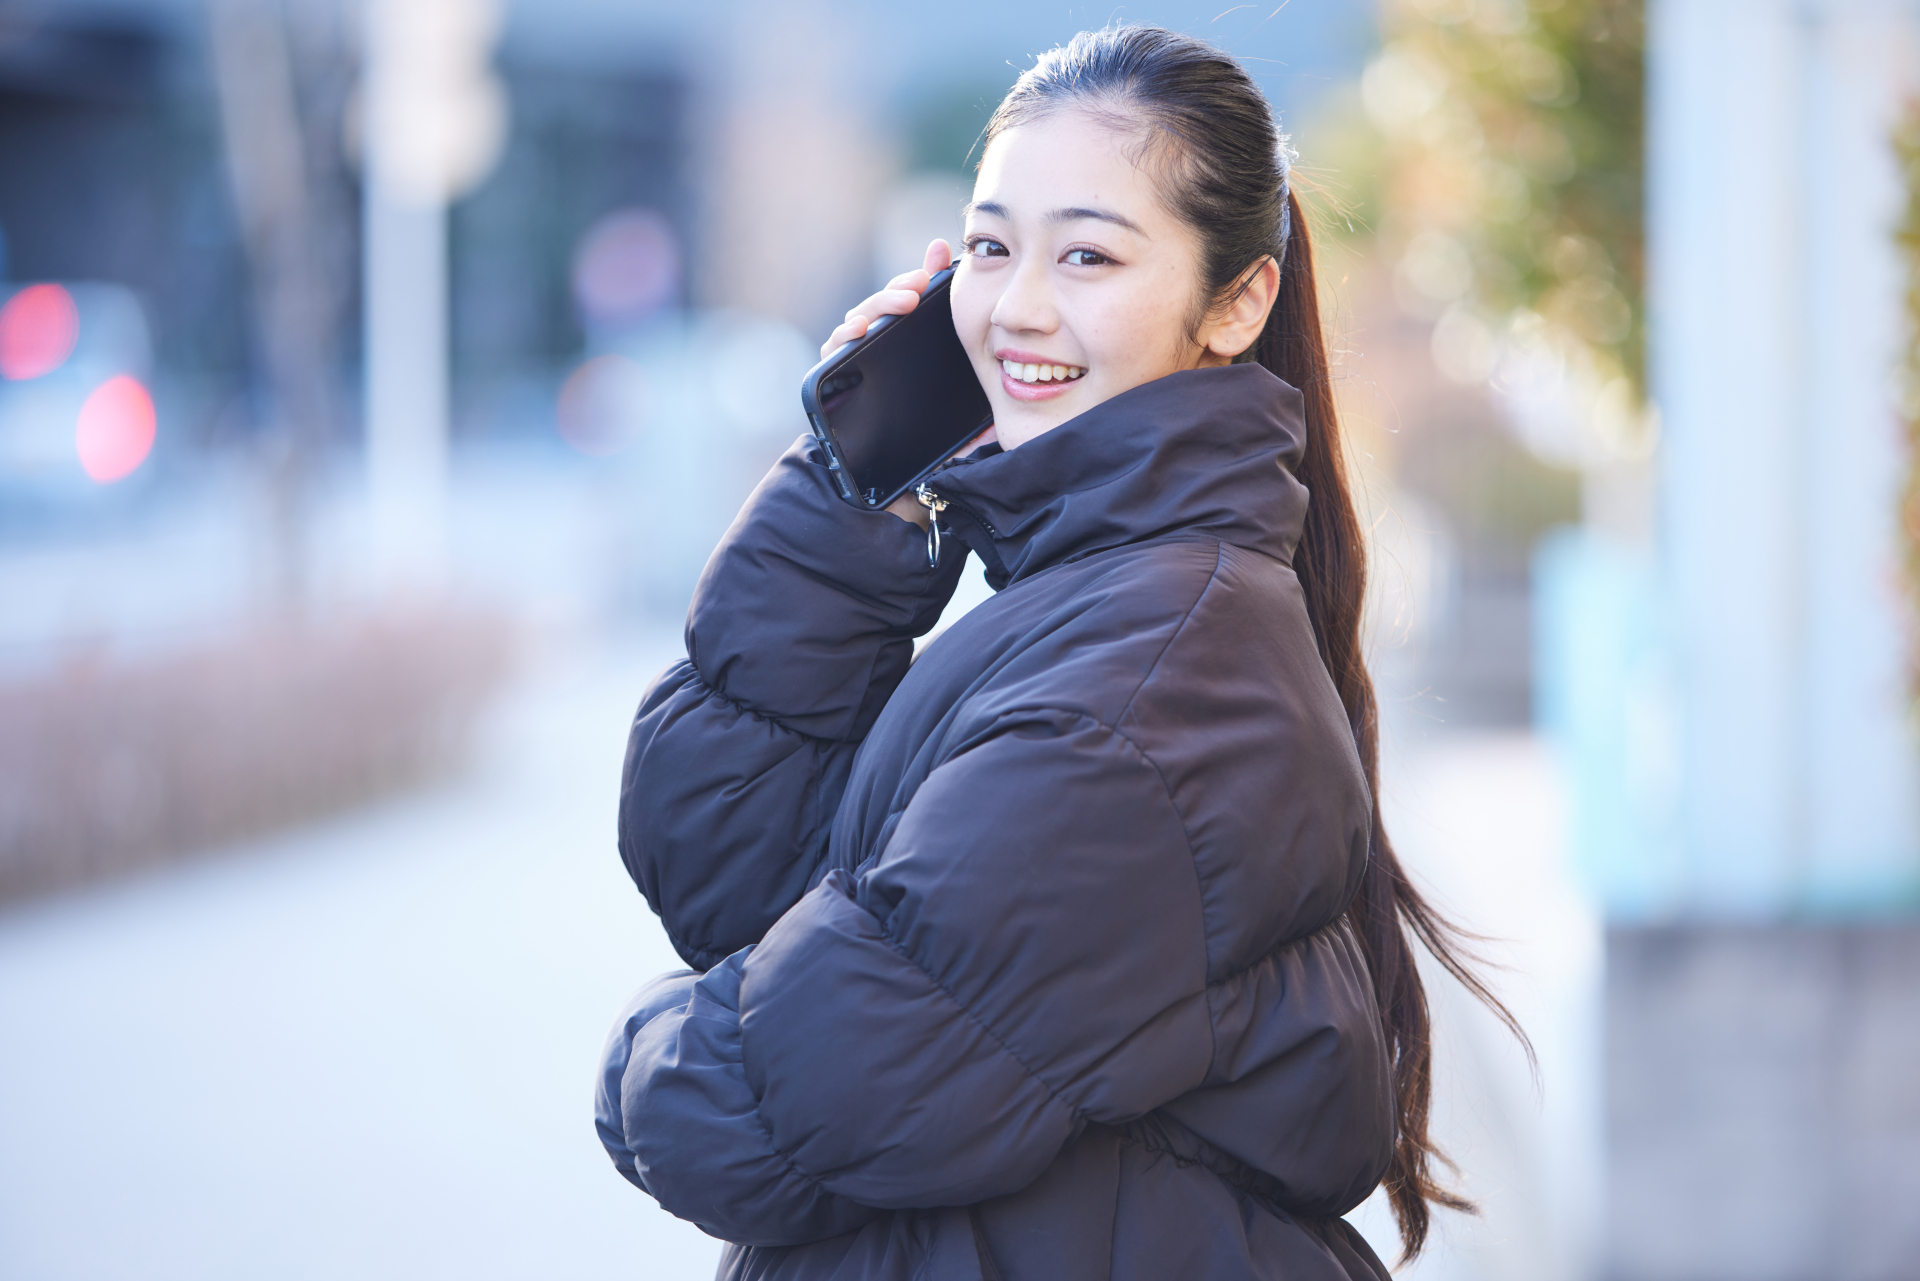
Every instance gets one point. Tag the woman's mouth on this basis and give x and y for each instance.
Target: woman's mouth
(1025, 381)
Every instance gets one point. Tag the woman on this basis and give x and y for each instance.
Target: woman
(1075, 948)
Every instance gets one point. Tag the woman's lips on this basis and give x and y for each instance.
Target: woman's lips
(1031, 391)
(1037, 380)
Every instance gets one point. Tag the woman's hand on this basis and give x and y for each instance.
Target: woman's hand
(901, 296)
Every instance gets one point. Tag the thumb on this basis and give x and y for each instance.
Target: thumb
(938, 256)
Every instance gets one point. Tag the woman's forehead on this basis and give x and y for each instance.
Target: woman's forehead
(1067, 162)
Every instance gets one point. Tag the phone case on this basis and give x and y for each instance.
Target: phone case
(821, 377)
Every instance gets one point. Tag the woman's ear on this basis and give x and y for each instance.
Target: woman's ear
(1237, 327)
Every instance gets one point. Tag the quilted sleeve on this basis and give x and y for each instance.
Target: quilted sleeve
(801, 627)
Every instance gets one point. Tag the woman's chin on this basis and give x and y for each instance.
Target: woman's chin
(1025, 410)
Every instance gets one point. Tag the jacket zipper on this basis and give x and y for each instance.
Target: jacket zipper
(936, 503)
(958, 506)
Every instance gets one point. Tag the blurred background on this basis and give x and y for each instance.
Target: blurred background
(375, 376)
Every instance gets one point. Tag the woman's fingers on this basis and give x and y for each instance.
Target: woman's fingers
(888, 302)
(938, 258)
(901, 296)
(845, 333)
(894, 302)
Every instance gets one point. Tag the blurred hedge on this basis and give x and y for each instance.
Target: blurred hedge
(109, 766)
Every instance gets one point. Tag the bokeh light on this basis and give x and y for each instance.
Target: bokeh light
(603, 405)
(116, 429)
(626, 268)
(38, 328)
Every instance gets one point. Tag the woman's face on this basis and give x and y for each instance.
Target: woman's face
(1076, 283)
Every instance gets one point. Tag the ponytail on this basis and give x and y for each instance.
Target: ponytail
(1332, 568)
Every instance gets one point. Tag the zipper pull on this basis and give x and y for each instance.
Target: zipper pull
(934, 505)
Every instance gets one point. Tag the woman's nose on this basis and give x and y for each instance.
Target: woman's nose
(1026, 305)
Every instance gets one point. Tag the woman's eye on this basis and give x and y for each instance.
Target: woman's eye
(986, 249)
(1085, 258)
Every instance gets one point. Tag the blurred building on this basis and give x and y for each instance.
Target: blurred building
(1733, 694)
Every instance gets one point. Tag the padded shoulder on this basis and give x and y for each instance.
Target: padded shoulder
(1202, 656)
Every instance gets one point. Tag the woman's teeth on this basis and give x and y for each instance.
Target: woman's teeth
(1041, 373)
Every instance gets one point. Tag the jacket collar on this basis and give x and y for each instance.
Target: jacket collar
(1204, 451)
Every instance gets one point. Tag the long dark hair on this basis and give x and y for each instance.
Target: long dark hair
(1208, 135)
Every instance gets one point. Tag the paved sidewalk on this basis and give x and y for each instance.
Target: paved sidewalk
(364, 1050)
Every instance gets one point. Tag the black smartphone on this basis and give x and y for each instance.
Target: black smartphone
(890, 407)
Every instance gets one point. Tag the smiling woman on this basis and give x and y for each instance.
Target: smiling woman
(1076, 950)
(1076, 262)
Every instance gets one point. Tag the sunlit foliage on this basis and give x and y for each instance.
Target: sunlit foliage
(1906, 146)
(1513, 177)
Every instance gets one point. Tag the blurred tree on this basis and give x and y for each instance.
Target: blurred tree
(282, 213)
(1906, 147)
(1513, 175)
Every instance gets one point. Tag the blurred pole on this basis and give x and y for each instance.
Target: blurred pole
(435, 119)
(1775, 299)
(267, 164)
(406, 355)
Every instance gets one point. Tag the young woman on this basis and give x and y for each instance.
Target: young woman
(1075, 948)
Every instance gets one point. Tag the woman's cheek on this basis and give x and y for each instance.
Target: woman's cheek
(1125, 352)
(1130, 334)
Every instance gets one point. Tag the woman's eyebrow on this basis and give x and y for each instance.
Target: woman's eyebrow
(1099, 215)
(993, 209)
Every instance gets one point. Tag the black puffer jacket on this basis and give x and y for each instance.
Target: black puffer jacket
(1025, 959)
